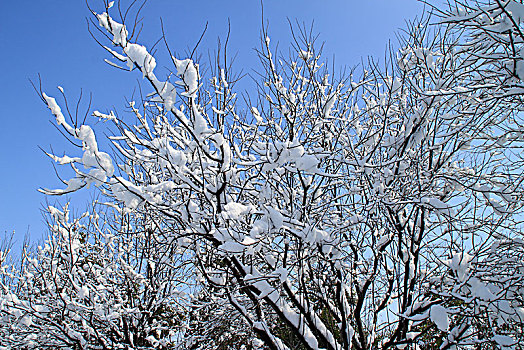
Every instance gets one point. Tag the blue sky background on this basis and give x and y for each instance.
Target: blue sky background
(50, 38)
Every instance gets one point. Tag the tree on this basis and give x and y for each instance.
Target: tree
(97, 282)
(376, 209)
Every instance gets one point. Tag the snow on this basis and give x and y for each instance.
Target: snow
(167, 93)
(270, 259)
(282, 274)
(83, 292)
(199, 123)
(57, 112)
(73, 185)
(480, 290)
(55, 211)
(121, 190)
(223, 79)
(118, 30)
(234, 211)
(27, 320)
(516, 9)
(497, 205)
(115, 54)
(64, 160)
(439, 316)
(232, 247)
(217, 111)
(330, 102)
(91, 158)
(256, 115)
(460, 264)
(277, 219)
(138, 54)
(307, 163)
(87, 135)
(111, 116)
(436, 204)
(187, 71)
(161, 187)
(504, 340)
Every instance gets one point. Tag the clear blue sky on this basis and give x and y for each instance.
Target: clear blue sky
(51, 38)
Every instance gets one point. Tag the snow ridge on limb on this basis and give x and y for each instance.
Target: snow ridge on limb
(98, 165)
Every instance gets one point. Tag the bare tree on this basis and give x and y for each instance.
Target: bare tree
(376, 209)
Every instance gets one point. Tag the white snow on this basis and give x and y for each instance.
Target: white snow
(504, 340)
(439, 316)
(102, 116)
(138, 54)
(256, 115)
(83, 292)
(277, 219)
(234, 211)
(187, 71)
(307, 163)
(57, 112)
(118, 30)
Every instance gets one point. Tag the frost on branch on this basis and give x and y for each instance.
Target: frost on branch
(377, 209)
